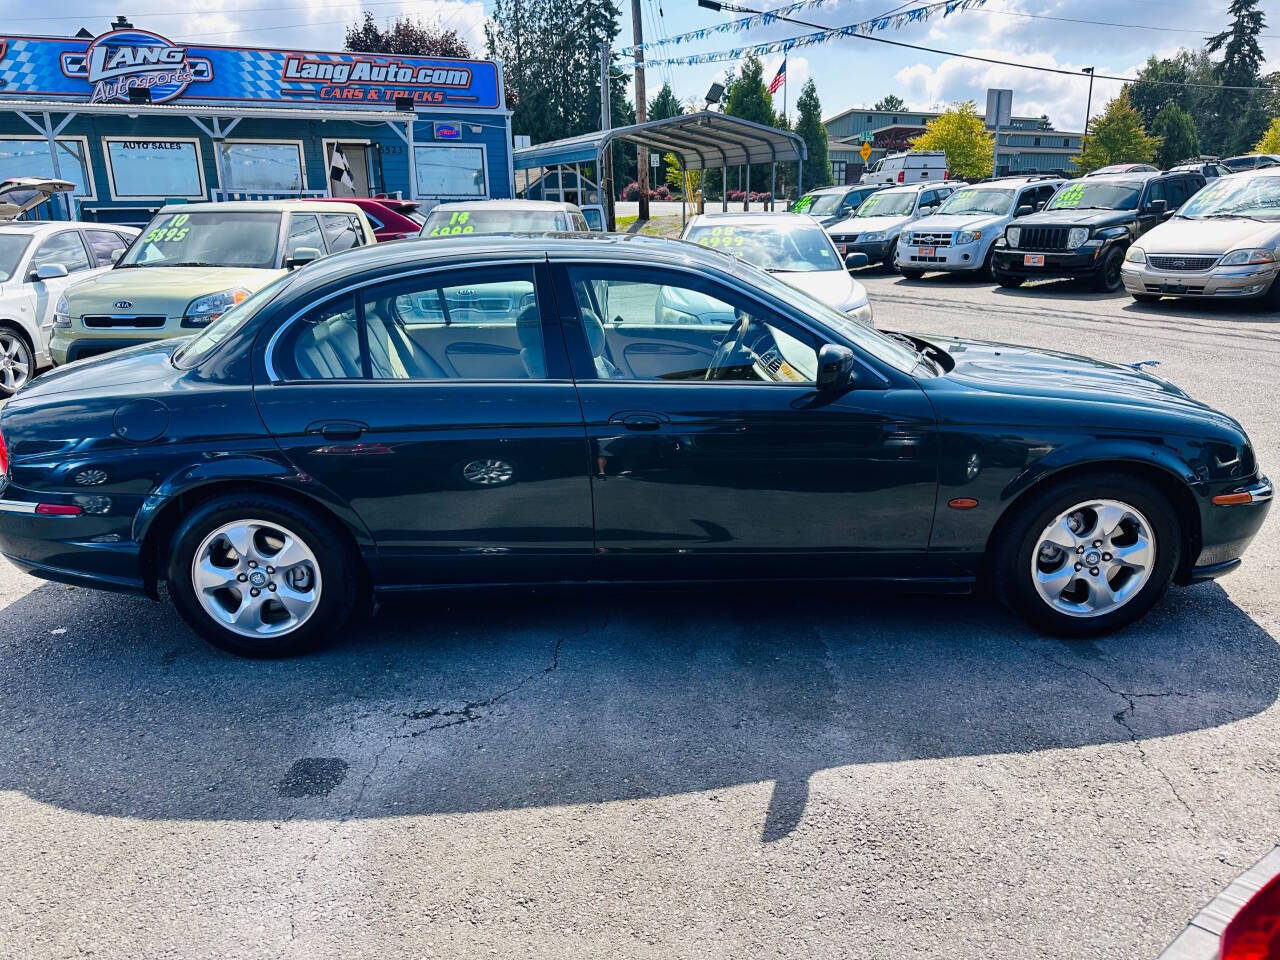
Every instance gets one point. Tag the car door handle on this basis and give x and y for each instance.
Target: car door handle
(637, 421)
(338, 429)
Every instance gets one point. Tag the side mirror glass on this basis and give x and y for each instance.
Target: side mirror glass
(835, 365)
(1023, 210)
(927, 211)
(303, 255)
(117, 254)
(49, 271)
(1040, 205)
(855, 260)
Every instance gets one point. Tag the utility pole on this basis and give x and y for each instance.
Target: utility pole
(642, 109)
(606, 155)
(1088, 105)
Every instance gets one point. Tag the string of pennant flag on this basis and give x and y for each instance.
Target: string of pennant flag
(892, 21)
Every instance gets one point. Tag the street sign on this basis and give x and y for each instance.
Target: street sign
(999, 107)
(654, 160)
(865, 151)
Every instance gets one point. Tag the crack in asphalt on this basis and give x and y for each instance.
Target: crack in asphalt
(1122, 716)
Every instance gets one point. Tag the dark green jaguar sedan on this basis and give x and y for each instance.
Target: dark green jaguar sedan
(508, 410)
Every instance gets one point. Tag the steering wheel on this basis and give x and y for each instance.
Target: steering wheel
(730, 345)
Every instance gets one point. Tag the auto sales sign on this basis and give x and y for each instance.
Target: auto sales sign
(105, 69)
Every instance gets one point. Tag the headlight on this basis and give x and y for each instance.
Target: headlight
(872, 237)
(677, 318)
(862, 314)
(204, 310)
(1238, 258)
(1135, 254)
(1076, 237)
(968, 236)
(62, 313)
(1013, 235)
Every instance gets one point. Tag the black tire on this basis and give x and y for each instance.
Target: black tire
(1019, 539)
(1271, 299)
(339, 571)
(988, 269)
(1145, 297)
(911, 274)
(26, 355)
(1108, 278)
(890, 263)
(1007, 280)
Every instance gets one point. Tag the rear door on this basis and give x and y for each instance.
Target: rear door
(440, 408)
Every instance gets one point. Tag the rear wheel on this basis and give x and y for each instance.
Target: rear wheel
(1088, 555)
(17, 361)
(260, 576)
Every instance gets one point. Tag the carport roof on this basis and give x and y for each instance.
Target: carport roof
(702, 140)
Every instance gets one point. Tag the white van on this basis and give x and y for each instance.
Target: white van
(913, 166)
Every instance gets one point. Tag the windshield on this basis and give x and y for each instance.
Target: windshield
(894, 353)
(995, 202)
(12, 247)
(887, 203)
(201, 345)
(223, 238)
(819, 204)
(797, 247)
(1255, 197)
(448, 223)
(1092, 195)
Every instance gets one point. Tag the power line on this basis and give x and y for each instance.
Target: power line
(1102, 23)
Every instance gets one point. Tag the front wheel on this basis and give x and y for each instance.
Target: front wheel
(1108, 279)
(260, 576)
(17, 361)
(911, 274)
(1007, 280)
(891, 262)
(1145, 297)
(1088, 555)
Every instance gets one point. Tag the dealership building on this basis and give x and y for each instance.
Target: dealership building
(135, 120)
(1024, 146)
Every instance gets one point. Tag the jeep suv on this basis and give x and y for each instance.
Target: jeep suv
(875, 228)
(1086, 228)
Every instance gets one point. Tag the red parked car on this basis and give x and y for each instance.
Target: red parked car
(390, 218)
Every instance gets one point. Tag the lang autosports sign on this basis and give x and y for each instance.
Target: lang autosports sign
(106, 68)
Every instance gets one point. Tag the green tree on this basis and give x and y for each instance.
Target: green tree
(1187, 79)
(1117, 136)
(890, 104)
(1270, 142)
(665, 105)
(1177, 133)
(1044, 123)
(1239, 114)
(963, 134)
(817, 166)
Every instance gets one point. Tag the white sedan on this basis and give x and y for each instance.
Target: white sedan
(793, 247)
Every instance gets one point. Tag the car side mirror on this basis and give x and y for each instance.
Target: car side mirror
(927, 211)
(1040, 205)
(1024, 210)
(1156, 208)
(302, 256)
(117, 254)
(855, 260)
(48, 271)
(835, 367)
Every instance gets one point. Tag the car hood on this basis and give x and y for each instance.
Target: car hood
(869, 224)
(1181, 235)
(133, 367)
(833, 287)
(159, 290)
(950, 223)
(1071, 218)
(1008, 370)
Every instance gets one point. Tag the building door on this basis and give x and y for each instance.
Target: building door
(354, 158)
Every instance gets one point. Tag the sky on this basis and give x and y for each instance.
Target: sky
(848, 72)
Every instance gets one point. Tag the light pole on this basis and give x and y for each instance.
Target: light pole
(1088, 105)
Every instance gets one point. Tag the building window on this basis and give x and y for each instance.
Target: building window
(154, 169)
(837, 170)
(449, 171)
(1037, 142)
(29, 157)
(254, 167)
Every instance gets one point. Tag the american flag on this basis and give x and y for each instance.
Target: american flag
(779, 77)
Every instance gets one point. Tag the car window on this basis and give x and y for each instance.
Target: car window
(104, 244)
(342, 231)
(659, 325)
(324, 345)
(65, 248)
(304, 231)
(1177, 193)
(594, 219)
(928, 198)
(373, 221)
(1155, 191)
(580, 223)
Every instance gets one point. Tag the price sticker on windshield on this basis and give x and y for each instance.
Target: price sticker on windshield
(458, 225)
(720, 237)
(174, 231)
(1069, 197)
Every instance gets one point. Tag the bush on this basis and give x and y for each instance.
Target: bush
(631, 191)
(662, 193)
(736, 196)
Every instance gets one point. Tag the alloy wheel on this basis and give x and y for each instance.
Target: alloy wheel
(1093, 558)
(256, 578)
(16, 362)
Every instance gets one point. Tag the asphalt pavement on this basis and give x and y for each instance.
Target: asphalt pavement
(710, 772)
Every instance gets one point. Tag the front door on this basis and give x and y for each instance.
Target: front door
(440, 408)
(711, 450)
(352, 165)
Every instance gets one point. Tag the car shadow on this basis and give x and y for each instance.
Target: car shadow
(470, 701)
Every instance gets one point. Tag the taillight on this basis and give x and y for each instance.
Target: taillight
(1254, 932)
(902, 176)
(4, 458)
(58, 510)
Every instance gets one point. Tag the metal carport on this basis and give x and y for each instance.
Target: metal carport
(701, 141)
